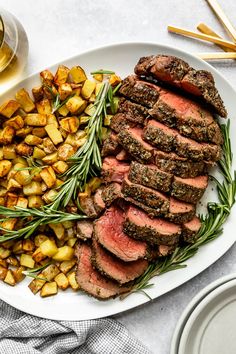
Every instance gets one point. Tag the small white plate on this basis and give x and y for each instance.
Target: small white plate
(210, 328)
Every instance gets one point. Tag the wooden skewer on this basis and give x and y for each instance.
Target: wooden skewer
(220, 55)
(207, 30)
(223, 18)
(205, 37)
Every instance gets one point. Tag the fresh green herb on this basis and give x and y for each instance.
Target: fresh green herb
(31, 272)
(105, 72)
(212, 222)
(34, 218)
(57, 103)
(86, 162)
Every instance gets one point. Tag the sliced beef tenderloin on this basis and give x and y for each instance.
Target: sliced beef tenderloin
(111, 145)
(150, 176)
(132, 141)
(168, 139)
(90, 280)
(180, 212)
(111, 193)
(123, 155)
(108, 231)
(190, 230)
(141, 92)
(87, 205)
(188, 117)
(189, 189)
(155, 231)
(84, 229)
(145, 195)
(134, 112)
(180, 166)
(176, 72)
(119, 122)
(114, 268)
(161, 251)
(152, 212)
(114, 170)
(98, 201)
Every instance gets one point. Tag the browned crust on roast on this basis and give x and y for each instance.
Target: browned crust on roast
(188, 190)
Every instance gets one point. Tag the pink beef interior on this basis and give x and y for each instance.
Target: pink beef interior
(177, 206)
(194, 224)
(199, 181)
(137, 134)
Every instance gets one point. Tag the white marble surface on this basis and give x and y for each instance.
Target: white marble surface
(58, 29)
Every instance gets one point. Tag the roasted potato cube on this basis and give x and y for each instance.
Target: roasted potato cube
(5, 167)
(28, 245)
(36, 119)
(36, 284)
(3, 191)
(98, 88)
(40, 132)
(22, 202)
(94, 183)
(3, 273)
(75, 103)
(38, 153)
(64, 253)
(18, 247)
(35, 201)
(49, 196)
(72, 281)
(13, 185)
(64, 90)
(52, 119)
(25, 101)
(23, 177)
(62, 281)
(84, 119)
(78, 75)
(98, 77)
(71, 140)
(48, 146)
(92, 98)
(68, 224)
(54, 134)
(9, 152)
(87, 89)
(8, 244)
(11, 200)
(37, 93)
(44, 106)
(33, 140)
(61, 75)
(4, 253)
(48, 248)
(8, 108)
(1, 153)
(60, 167)
(65, 151)
(47, 77)
(59, 231)
(50, 272)
(50, 158)
(40, 239)
(49, 289)
(6, 135)
(23, 132)
(76, 89)
(58, 183)
(81, 142)
(63, 110)
(9, 279)
(24, 150)
(114, 80)
(33, 188)
(13, 261)
(20, 160)
(26, 261)
(90, 110)
(38, 256)
(2, 201)
(72, 241)
(107, 120)
(18, 275)
(35, 174)
(48, 176)
(66, 266)
(16, 122)
(70, 124)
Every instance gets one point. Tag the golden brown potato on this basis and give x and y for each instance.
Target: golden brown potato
(22, 202)
(35, 201)
(64, 253)
(47, 77)
(6, 135)
(65, 151)
(59, 231)
(5, 167)
(98, 77)
(8, 108)
(16, 122)
(66, 266)
(3, 273)
(36, 119)
(50, 158)
(18, 275)
(48, 176)
(23, 132)
(4, 253)
(63, 111)
(54, 134)
(52, 119)
(26, 261)
(33, 188)
(9, 152)
(24, 149)
(48, 146)
(13, 261)
(38, 153)
(38, 256)
(9, 279)
(98, 88)
(33, 140)
(87, 89)
(13, 185)
(39, 131)
(49, 289)
(18, 247)
(64, 90)
(114, 80)
(60, 167)
(78, 75)
(44, 106)
(75, 103)
(61, 75)
(11, 201)
(37, 93)
(28, 245)
(48, 248)
(23, 177)
(39, 239)
(62, 281)
(72, 281)
(70, 124)
(90, 110)
(22, 96)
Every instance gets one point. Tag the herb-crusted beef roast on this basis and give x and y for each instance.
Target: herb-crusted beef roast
(111, 145)
(114, 268)
(132, 141)
(84, 229)
(156, 231)
(114, 170)
(190, 229)
(180, 212)
(189, 189)
(134, 112)
(177, 72)
(150, 176)
(119, 122)
(108, 231)
(90, 280)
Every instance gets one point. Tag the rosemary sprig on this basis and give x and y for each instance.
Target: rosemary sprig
(34, 218)
(57, 103)
(31, 272)
(86, 162)
(212, 222)
(105, 72)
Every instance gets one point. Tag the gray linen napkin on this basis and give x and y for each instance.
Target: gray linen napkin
(25, 334)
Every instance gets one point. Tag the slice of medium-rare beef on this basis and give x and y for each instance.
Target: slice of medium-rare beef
(169, 140)
(145, 195)
(115, 268)
(155, 231)
(123, 155)
(133, 111)
(111, 145)
(138, 91)
(111, 193)
(90, 280)
(175, 71)
(114, 170)
(108, 231)
(150, 176)
(180, 166)
(84, 229)
(188, 117)
(180, 212)
(190, 230)
(189, 189)
(119, 122)
(98, 201)
(132, 141)
(158, 251)
(88, 207)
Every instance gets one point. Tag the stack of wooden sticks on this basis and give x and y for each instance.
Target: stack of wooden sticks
(209, 35)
